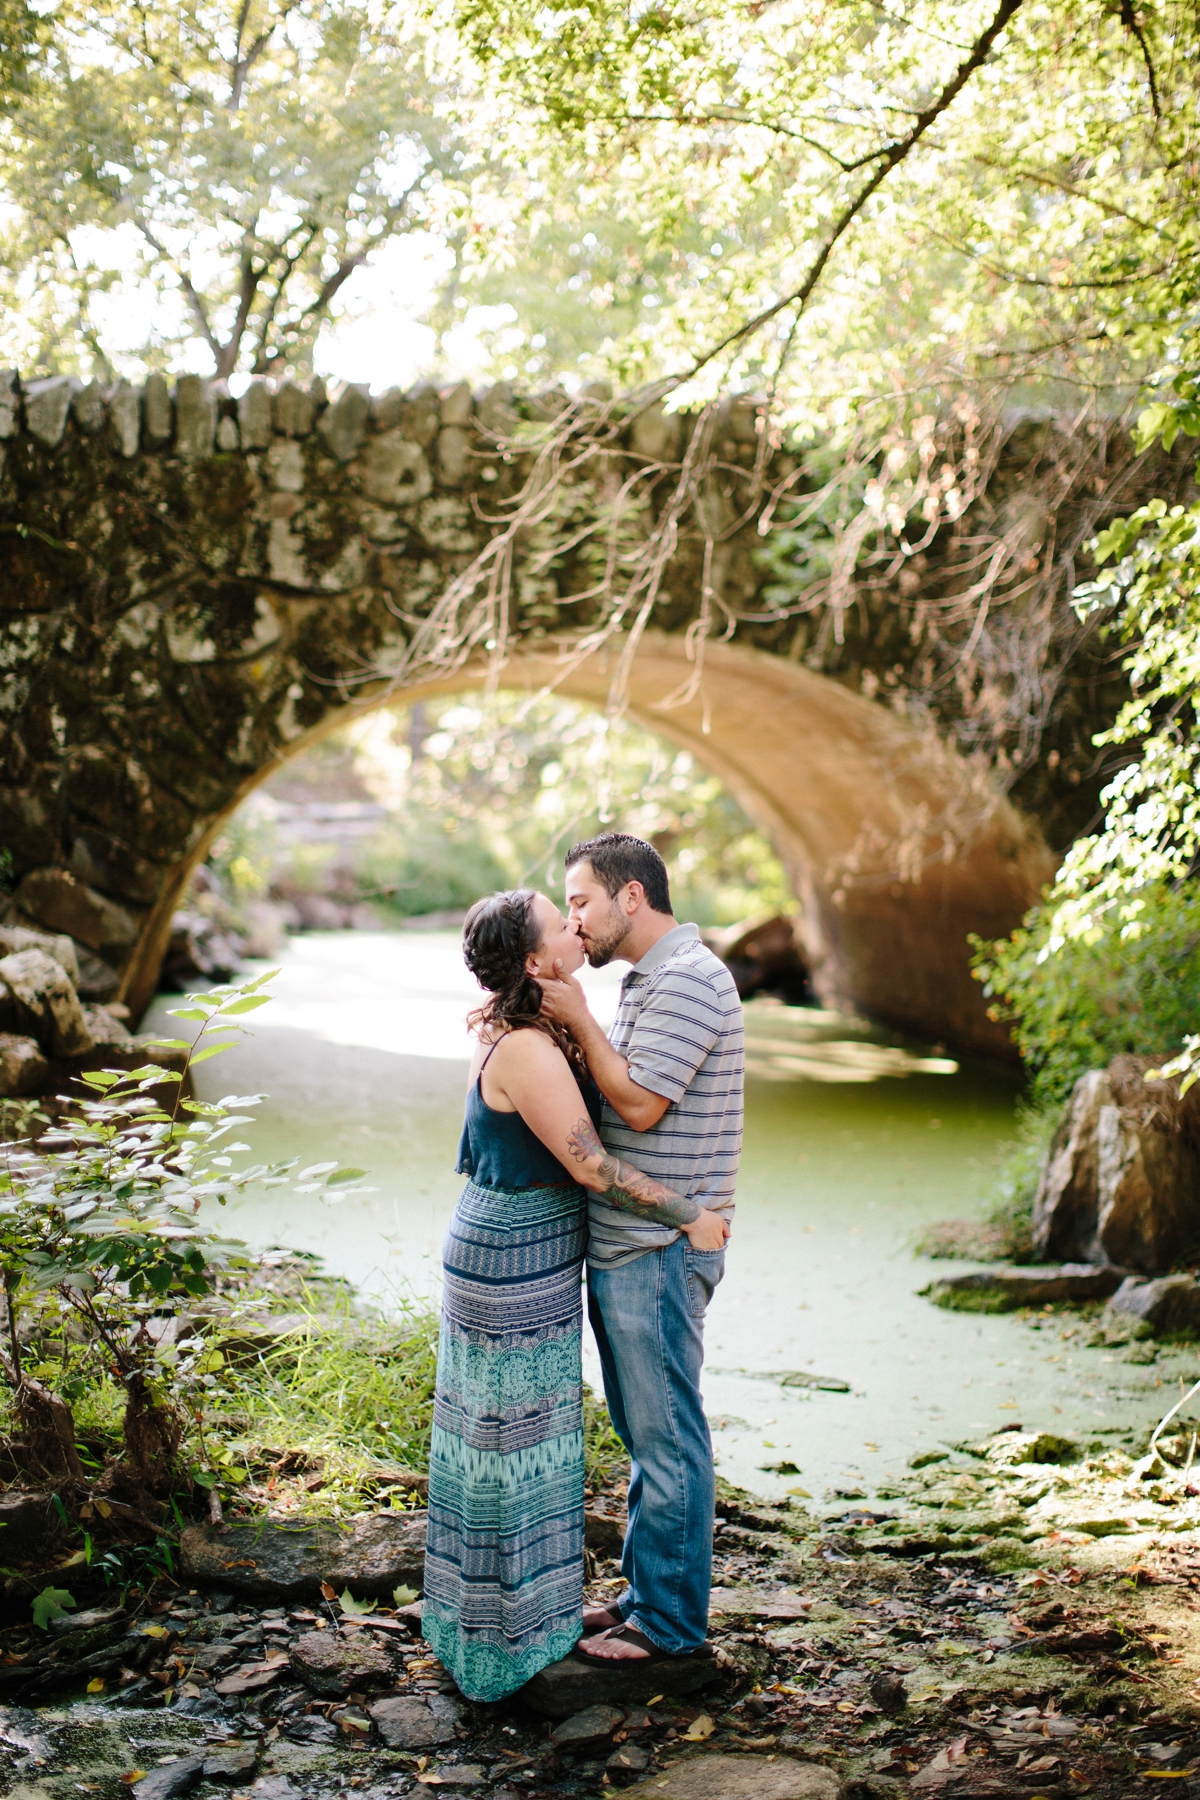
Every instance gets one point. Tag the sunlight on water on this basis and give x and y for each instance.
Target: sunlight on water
(853, 1143)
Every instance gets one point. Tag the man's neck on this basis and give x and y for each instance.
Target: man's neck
(644, 932)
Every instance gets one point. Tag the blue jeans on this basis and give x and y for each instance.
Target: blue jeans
(648, 1317)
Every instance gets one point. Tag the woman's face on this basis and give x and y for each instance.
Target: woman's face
(560, 941)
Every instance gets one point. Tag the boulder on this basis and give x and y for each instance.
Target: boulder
(172, 1780)
(47, 1003)
(59, 946)
(574, 1684)
(334, 1662)
(740, 1778)
(409, 1722)
(1166, 1308)
(1122, 1178)
(22, 1066)
(603, 1532)
(764, 952)
(1003, 1290)
(590, 1726)
(55, 899)
(373, 1556)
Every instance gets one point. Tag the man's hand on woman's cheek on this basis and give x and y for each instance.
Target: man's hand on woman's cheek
(563, 998)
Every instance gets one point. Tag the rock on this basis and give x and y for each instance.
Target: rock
(1168, 1307)
(740, 1778)
(254, 416)
(373, 1557)
(588, 1726)
(888, 1693)
(569, 1686)
(292, 410)
(1010, 1449)
(46, 406)
(344, 424)
(603, 1532)
(764, 952)
(250, 1678)
(311, 1729)
(460, 1775)
(195, 418)
(748, 1603)
(27, 1519)
(628, 1759)
(176, 1778)
(10, 402)
(97, 981)
(157, 419)
(125, 418)
(108, 1031)
(55, 944)
(408, 1723)
(1003, 1290)
(656, 434)
(333, 1662)
(394, 471)
(54, 898)
(454, 455)
(23, 1068)
(19, 1732)
(48, 1003)
(87, 408)
(1122, 1176)
(229, 1765)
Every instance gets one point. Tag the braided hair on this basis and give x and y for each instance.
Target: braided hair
(499, 934)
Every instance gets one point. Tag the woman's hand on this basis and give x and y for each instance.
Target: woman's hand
(707, 1231)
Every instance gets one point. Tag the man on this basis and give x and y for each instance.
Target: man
(671, 1078)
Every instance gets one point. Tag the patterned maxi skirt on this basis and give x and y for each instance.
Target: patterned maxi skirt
(504, 1562)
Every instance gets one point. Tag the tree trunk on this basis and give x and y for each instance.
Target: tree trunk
(46, 1446)
(152, 1435)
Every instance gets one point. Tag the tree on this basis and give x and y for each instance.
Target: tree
(860, 201)
(240, 161)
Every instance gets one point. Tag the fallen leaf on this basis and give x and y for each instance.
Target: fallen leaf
(96, 1685)
(132, 1776)
(698, 1730)
(657, 1698)
(352, 1608)
(404, 1596)
(330, 1593)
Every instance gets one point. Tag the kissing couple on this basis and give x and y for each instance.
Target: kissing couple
(623, 1151)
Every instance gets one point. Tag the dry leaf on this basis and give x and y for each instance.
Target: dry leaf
(329, 1592)
(96, 1685)
(698, 1730)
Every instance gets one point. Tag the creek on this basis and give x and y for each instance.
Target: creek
(854, 1143)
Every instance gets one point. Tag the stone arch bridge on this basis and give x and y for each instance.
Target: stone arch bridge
(194, 587)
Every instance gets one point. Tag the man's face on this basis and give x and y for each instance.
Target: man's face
(603, 922)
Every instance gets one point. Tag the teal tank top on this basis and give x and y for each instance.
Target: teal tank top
(499, 1150)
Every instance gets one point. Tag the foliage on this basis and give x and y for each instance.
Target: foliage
(101, 1224)
(488, 793)
(1079, 999)
(52, 1603)
(214, 175)
(846, 197)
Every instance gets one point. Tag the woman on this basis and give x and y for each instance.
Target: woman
(504, 1561)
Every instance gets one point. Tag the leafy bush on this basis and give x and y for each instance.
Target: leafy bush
(427, 869)
(1076, 1002)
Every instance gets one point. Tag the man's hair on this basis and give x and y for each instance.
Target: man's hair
(616, 858)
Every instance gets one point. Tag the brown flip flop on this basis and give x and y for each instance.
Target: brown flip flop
(631, 1635)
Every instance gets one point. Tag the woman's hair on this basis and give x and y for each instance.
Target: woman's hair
(498, 935)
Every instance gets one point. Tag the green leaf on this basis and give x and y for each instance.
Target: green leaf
(355, 1609)
(51, 1603)
(101, 1078)
(404, 1596)
(344, 1175)
(248, 1003)
(191, 1012)
(315, 1169)
(212, 1050)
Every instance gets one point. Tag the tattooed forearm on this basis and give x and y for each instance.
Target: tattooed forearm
(631, 1191)
(627, 1188)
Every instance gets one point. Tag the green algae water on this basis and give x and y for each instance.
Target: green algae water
(854, 1143)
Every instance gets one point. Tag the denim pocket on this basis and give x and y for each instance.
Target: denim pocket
(704, 1271)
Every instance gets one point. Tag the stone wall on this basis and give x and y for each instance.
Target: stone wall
(194, 585)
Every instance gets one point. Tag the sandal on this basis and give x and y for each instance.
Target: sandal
(630, 1635)
(614, 1619)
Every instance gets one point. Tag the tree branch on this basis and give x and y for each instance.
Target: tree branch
(890, 158)
(193, 298)
(1129, 20)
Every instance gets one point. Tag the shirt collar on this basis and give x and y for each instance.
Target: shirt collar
(660, 952)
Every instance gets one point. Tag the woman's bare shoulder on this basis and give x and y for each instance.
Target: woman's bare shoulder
(529, 1049)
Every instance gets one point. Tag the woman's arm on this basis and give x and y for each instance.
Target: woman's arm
(534, 1075)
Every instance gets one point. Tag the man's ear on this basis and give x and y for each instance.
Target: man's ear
(635, 893)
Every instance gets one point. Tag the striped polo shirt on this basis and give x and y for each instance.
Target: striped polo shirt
(679, 1027)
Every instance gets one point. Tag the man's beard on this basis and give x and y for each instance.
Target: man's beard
(601, 950)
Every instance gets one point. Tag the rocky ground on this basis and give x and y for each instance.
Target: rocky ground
(858, 1654)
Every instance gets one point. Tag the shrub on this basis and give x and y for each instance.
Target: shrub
(1123, 986)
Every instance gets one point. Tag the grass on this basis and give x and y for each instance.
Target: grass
(310, 1404)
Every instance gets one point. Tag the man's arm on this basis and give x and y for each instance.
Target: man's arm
(564, 999)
